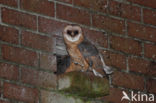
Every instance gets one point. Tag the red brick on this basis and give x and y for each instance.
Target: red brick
(114, 59)
(149, 3)
(48, 62)
(37, 41)
(39, 78)
(19, 55)
(128, 80)
(152, 69)
(73, 14)
(107, 23)
(19, 19)
(115, 96)
(150, 51)
(9, 71)
(98, 5)
(151, 83)
(149, 16)
(66, 1)
(97, 38)
(39, 6)
(9, 2)
(21, 93)
(8, 34)
(138, 65)
(51, 26)
(0, 89)
(126, 45)
(142, 32)
(125, 10)
(4, 101)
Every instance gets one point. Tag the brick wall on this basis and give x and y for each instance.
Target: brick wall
(124, 31)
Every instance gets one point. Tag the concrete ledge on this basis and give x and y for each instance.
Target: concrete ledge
(83, 84)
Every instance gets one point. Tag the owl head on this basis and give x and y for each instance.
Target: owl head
(72, 34)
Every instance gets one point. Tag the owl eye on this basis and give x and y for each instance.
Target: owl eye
(69, 32)
(76, 32)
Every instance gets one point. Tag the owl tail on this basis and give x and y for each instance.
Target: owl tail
(106, 68)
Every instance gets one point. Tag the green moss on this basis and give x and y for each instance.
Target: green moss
(85, 85)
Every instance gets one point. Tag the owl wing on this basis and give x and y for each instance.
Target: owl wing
(87, 49)
(91, 54)
(94, 58)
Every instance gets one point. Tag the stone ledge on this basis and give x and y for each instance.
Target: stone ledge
(83, 84)
(54, 97)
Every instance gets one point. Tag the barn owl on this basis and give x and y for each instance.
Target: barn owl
(83, 55)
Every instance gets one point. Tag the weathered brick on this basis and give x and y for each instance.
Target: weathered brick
(39, 78)
(9, 2)
(4, 101)
(73, 14)
(20, 55)
(126, 45)
(8, 71)
(149, 16)
(51, 26)
(149, 3)
(125, 10)
(150, 51)
(18, 18)
(152, 69)
(108, 23)
(128, 80)
(114, 59)
(8, 34)
(39, 6)
(151, 83)
(139, 65)
(66, 1)
(21, 93)
(97, 38)
(0, 89)
(115, 96)
(37, 41)
(98, 5)
(142, 32)
(48, 62)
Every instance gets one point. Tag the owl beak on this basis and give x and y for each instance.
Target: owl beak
(72, 34)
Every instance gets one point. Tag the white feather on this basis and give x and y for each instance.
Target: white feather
(69, 38)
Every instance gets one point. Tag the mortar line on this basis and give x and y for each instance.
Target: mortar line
(37, 28)
(127, 64)
(66, 21)
(0, 51)
(18, 3)
(126, 28)
(55, 9)
(2, 86)
(20, 74)
(73, 2)
(145, 84)
(20, 37)
(108, 41)
(35, 14)
(142, 15)
(91, 20)
(0, 14)
(143, 49)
